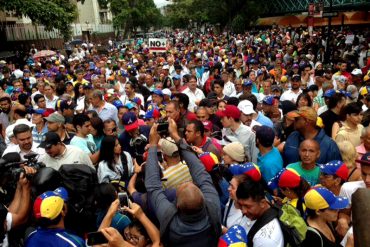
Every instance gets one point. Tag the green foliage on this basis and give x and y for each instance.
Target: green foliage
(58, 14)
(132, 14)
(234, 14)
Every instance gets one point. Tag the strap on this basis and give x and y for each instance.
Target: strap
(350, 174)
(227, 213)
(268, 216)
(317, 232)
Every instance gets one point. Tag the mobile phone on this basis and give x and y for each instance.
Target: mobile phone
(94, 238)
(123, 199)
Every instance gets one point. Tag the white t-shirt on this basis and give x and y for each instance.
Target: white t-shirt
(269, 235)
(290, 95)
(349, 188)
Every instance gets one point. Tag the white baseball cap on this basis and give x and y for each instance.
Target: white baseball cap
(356, 72)
(166, 91)
(246, 107)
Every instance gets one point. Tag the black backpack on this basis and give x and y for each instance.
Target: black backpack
(80, 182)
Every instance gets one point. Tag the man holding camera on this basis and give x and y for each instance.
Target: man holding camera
(23, 136)
(135, 137)
(17, 212)
(197, 211)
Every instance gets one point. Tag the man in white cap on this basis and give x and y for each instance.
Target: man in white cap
(175, 171)
(247, 113)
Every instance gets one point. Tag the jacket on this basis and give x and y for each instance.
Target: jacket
(178, 229)
(328, 148)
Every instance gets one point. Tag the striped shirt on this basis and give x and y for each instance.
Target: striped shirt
(39, 136)
(176, 175)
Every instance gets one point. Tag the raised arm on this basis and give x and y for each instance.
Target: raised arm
(164, 209)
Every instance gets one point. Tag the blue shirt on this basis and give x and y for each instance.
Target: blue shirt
(328, 148)
(39, 136)
(85, 144)
(53, 237)
(109, 111)
(270, 164)
(262, 119)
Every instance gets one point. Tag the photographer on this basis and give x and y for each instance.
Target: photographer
(197, 211)
(134, 139)
(17, 212)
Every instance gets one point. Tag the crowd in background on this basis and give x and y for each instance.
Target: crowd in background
(210, 140)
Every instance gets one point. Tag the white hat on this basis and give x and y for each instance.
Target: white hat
(109, 61)
(166, 66)
(76, 59)
(84, 45)
(70, 60)
(246, 107)
(356, 72)
(62, 66)
(135, 60)
(168, 146)
(166, 91)
(53, 58)
(2, 62)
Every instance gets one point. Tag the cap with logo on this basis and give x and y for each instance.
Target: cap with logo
(130, 121)
(50, 138)
(50, 204)
(321, 198)
(246, 107)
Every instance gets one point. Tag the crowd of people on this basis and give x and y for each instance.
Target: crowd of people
(210, 140)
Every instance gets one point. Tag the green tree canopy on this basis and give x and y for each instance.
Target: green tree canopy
(235, 14)
(58, 14)
(132, 14)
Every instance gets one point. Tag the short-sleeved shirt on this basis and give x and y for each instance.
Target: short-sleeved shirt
(87, 144)
(311, 176)
(39, 136)
(270, 164)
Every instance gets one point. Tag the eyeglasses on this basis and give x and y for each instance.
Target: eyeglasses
(131, 237)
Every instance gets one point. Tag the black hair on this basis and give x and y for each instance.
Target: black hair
(77, 91)
(233, 101)
(22, 98)
(219, 82)
(92, 112)
(22, 113)
(107, 151)
(335, 99)
(140, 228)
(183, 100)
(21, 128)
(37, 97)
(251, 189)
(307, 97)
(198, 125)
(45, 222)
(105, 194)
(98, 124)
(80, 120)
(351, 108)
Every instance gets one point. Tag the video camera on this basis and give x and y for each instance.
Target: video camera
(162, 128)
(11, 164)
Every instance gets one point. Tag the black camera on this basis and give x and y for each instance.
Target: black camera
(31, 161)
(162, 128)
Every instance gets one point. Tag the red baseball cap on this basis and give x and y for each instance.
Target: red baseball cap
(230, 111)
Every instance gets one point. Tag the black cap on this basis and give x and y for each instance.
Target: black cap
(296, 77)
(51, 138)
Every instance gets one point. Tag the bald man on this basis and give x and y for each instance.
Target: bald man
(309, 152)
(195, 218)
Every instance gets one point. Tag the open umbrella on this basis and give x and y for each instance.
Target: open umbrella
(44, 53)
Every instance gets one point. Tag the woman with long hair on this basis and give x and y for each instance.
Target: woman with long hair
(304, 99)
(97, 130)
(79, 97)
(113, 163)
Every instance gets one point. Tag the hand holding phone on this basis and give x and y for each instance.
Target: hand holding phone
(94, 238)
(123, 199)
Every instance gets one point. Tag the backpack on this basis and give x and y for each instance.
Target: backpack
(292, 225)
(80, 181)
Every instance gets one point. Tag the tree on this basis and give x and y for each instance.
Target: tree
(234, 14)
(58, 14)
(132, 14)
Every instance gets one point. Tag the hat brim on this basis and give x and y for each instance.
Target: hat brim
(221, 114)
(131, 127)
(340, 202)
(248, 112)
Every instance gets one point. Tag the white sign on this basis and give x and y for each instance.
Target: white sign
(157, 45)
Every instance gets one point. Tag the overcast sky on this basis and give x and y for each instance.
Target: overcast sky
(161, 3)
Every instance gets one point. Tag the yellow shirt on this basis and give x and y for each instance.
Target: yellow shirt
(83, 82)
(352, 135)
